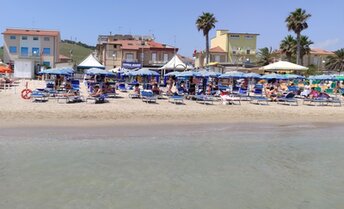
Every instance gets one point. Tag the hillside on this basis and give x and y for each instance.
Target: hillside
(80, 50)
(1, 53)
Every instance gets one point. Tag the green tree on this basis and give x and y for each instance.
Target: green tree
(265, 56)
(288, 47)
(305, 47)
(336, 62)
(206, 22)
(296, 21)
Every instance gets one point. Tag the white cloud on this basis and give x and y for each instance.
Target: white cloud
(327, 44)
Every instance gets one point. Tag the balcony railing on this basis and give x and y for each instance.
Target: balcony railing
(157, 62)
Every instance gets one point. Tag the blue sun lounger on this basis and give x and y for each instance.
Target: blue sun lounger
(176, 99)
(148, 96)
(39, 96)
(289, 98)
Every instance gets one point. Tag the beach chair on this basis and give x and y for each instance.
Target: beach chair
(259, 100)
(176, 99)
(258, 89)
(204, 99)
(288, 98)
(39, 96)
(122, 88)
(230, 99)
(329, 91)
(98, 99)
(293, 89)
(148, 96)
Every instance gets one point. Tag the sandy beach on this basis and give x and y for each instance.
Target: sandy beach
(14, 111)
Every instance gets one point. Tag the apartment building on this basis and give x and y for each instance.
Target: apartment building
(230, 48)
(30, 49)
(132, 51)
(317, 57)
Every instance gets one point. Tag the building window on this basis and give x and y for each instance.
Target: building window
(13, 49)
(46, 39)
(217, 58)
(35, 52)
(46, 51)
(248, 51)
(142, 56)
(35, 38)
(233, 36)
(234, 52)
(129, 57)
(13, 37)
(165, 57)
(46, 63)
(248, 37)
(24, 37)
(24, 51)
(153, 57)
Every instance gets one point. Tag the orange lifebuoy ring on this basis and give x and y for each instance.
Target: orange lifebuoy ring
(26, 94)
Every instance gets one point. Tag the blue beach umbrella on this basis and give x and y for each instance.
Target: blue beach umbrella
(97, 71)
(273, 76)
(323, 77)
(174, 73)
(206, 73)
(251, 75)
(232, 74)
(143, 72)
(189, 74)
(293, 76)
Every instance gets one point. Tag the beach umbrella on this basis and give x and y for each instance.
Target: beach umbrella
(293, 76)
(282, 65)
(207, 73)
(58, 71)
(5, 69)
(143, 72)
(251, 75)
(323, 77)
(340, 77)
(273, 76)
(232, 74)
(174, 73)
(189, 74)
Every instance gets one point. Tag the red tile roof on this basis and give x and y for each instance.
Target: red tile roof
(31, 32)
(321, 52)
(137, 44)
(217, 50)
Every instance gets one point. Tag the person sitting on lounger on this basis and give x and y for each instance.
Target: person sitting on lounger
(155, 89)
(271, 93)
(313, 94)
(137, 89)
(97, 92)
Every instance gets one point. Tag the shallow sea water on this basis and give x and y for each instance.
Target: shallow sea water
(222, 166)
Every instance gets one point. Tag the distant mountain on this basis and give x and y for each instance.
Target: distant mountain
(76, 50)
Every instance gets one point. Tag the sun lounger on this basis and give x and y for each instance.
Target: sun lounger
(289, 98)
(259, 100)
(230, 99)
(176, 99)
(39, 96)
(122, 88)
(204, 99)
(97, 99)
(148, 96)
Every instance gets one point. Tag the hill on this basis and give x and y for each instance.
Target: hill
(2, 53)
(79, 50)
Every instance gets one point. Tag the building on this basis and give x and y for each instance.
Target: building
(317, 57)
(132, 51)
(230, 48)
(31, 48)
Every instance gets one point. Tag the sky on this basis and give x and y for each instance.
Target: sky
(173, 22)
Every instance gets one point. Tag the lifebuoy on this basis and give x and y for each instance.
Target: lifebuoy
(26, 94)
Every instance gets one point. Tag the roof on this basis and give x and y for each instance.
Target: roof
(257, 34)
(63, 57)
(217, 50)
(317, 51)
(90, 62)
(31, 32)
(176, 64)
(137, 44)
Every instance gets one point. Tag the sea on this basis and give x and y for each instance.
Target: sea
(239, 166)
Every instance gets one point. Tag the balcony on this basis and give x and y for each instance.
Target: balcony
(157, 62)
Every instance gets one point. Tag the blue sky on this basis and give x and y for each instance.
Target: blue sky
(174, 21)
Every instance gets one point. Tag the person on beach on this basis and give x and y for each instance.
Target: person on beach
(97, 92)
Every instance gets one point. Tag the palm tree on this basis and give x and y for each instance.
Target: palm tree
(296, 22)
(288, 46)
(206, 22)
(305, 47)
(336, 62)
(265, 56)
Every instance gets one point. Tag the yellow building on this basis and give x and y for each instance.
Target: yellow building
(229, 49)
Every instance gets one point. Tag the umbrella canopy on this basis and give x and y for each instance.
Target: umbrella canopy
(189, 74)
(282, 65)
(174, 73)
(97, 71)
(273, 76)
(340, 77)
(5, 69)
(143, 72)
(175, 64)
(323, 77)
(232, 74)
(293, 76)
(207, 73)
(58, 71)
(251, 75)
